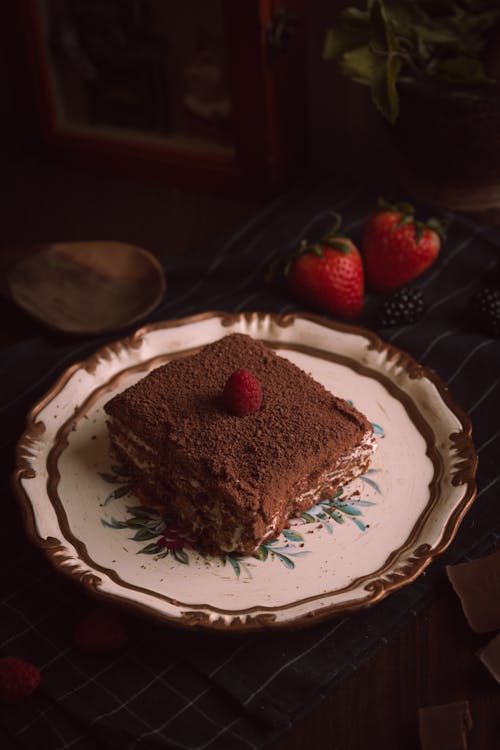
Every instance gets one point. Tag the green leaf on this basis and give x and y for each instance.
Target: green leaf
(150, 549)
(401, 207)
(292, 536)
(137, 523)
(111, 478)
(348, 509)
(359, 523)
(423, 49)
(377, 429)
(338, 41)
(384, 91)
(114, 524)
(419, 231)
(285, 560)
(271, 543)
(327, 525)
(358, 64)
(334, 227)
(341, 245)
(385, 68)
(404, 220)
(119, 492)
(383, 36)
(337, 517)
(308, 518)
(235, 564)
(440, 226)
(142, 511)
(371, 483)
(181, 556)
(142, 534)
(261, 553)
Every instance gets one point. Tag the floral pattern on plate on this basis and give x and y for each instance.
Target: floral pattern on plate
(165, 538)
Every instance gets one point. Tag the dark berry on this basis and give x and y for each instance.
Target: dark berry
(403, 306)
(18, 679)
(242, 393)
(485, 308)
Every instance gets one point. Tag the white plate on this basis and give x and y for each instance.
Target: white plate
(346, 553)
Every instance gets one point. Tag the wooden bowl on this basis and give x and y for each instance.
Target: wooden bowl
(84, 288)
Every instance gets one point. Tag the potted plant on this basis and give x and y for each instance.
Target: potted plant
(431, 66)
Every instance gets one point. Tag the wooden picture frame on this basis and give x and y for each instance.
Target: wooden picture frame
(237, 126)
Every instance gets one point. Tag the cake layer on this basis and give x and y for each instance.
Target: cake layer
(234, 481)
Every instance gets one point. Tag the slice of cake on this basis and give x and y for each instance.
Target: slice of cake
(233, 480)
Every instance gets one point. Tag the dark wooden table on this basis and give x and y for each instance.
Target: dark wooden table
(433, 661)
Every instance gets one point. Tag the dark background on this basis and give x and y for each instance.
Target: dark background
(433, 660)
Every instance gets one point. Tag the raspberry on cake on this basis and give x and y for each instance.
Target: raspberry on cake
(234, 479)
(242, 393)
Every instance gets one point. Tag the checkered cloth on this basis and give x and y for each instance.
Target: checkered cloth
(187, 690)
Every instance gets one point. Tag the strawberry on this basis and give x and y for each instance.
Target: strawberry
(99, 631)
(397, 248)
(18, 679)
(328, 274)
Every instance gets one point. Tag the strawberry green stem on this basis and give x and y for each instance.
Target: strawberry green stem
(407, 212)
(332, 232)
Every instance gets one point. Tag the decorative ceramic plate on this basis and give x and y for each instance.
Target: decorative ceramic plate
(376, 534)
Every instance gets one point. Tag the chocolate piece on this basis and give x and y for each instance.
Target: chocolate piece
(445, 727)
(490, 656)
(235, 480)
(477, 583)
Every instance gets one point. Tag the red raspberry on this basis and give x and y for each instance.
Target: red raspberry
(242, 393)
(18, 679)
(100, 631)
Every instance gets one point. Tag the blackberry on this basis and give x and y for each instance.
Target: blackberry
(403, 306)
(485, 308)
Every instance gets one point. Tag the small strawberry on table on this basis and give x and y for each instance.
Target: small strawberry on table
(328, 274)
(397, 247)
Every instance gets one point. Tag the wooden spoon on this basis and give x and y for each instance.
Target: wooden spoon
(84, 288)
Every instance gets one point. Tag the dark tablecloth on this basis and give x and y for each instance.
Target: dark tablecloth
(187, 690)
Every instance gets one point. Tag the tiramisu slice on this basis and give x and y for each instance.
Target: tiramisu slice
(231, 477)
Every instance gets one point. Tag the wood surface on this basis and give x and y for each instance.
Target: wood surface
(433, 661)
(55, 283)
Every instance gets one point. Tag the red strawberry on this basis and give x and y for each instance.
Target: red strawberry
(18, 679)
(328, 275)
(100, 631)
(397, 248)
